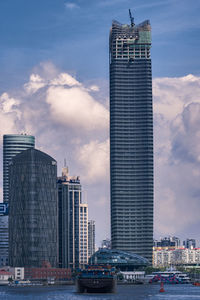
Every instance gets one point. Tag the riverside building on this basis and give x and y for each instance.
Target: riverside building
(12, 145)
(33, 210)
(131, 138)
(177, 256)
(91, 237)
(73, 219)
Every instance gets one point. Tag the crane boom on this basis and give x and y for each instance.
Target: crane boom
(132, 18)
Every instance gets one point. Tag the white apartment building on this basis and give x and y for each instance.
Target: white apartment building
(83, 234)
(179, 256)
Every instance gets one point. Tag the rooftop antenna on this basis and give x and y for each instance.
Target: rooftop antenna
(132, 18)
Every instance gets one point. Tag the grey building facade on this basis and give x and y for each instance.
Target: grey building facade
(131, 138)
(12, 145)
(69, 200)
(91, 238)
(33, 222)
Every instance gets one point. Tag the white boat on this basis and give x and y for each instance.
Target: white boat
(172, 276)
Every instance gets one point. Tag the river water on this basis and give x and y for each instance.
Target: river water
(124, 292)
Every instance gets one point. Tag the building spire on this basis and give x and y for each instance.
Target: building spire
(132, 18)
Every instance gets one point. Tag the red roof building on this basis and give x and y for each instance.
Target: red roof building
(47, 273)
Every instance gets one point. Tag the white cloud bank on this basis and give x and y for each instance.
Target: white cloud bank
(69, 122)
(94, 157)
(9, 113)
(177, 159)
(76, 108)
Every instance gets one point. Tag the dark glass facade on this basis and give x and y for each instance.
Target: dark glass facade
(33, 210)
(131, 138)
(12, 145)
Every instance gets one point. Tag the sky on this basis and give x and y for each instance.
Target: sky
(54, 84)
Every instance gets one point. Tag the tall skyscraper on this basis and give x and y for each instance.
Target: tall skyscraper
(91, 237)
(12, 145)
(72, 216)
(131, 138)
(33, 213)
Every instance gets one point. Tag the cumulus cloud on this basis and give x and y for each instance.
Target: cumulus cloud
(94, 88)
(76, 108)
(177, 148)
(35, 83)
(71, 5)
(9, 113)
(171, 94)
(94, 157)
(70, 120)
(68, 101)
(65, 79)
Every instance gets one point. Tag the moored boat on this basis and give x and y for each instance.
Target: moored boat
(96, 279)
(173, 277)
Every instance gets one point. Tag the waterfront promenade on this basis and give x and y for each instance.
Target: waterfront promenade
(129, 292)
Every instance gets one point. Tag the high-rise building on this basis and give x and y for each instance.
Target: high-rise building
(91, 237)
(12, 145)
(106, 244)
(131, 138)
(83, 236)
(3, 234)
(170, 241)
(189, 243)
(72, 217)
(33, 218)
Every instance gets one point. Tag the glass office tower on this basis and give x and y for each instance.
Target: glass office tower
(12, 145)
(131, 138)
(33, 212)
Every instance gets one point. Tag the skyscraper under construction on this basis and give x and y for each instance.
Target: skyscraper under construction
(131, 138)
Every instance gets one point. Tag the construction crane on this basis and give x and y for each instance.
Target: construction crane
(132, 18)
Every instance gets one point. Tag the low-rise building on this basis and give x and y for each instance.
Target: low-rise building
(17, 272)
(133, 276)
(47, 273)
(5, 276)
(180, 256)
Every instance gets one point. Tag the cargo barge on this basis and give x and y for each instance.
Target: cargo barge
(96, 279)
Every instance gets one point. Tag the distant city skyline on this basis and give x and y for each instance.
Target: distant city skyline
(53, 52)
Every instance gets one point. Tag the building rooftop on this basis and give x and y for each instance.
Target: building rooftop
(118, 258)
(4, 272)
